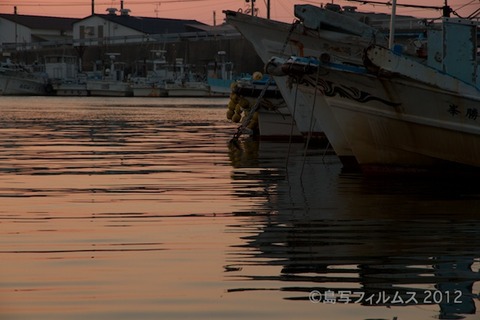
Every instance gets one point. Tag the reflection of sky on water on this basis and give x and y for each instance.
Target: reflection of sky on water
(135, 208)
(388, 238)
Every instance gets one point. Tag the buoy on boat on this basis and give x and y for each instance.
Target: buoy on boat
(257, 75)
(244, 104)
(231, 105)
(253, 124)
(236, 117)
(238, 108)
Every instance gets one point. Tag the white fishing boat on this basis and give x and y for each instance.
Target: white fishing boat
(340, 33)
(402, 112)
(19, 80)
(182, 82)
(111, 81)
(62, 71)
(274, 38)
(150, 77)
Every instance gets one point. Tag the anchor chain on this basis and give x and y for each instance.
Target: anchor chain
(287, 39)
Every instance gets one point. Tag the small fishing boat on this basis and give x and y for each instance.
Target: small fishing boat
(182, 82)
(257, 103)
(220, 76)
(111, 81)
(149, 79)
(20, 80)
(62, 71)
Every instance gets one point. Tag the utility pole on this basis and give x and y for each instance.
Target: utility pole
(268, 9)
(253, 6)
(392, 25)
(156, 8)
(16, 29)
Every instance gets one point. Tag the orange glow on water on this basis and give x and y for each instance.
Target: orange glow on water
(131, 209)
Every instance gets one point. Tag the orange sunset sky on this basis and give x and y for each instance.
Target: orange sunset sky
(202, 10)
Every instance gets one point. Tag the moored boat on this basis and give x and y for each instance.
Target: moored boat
(220, 75)
(150, 76)
(62, 71)
(111, 82)
(19, 80)
(274, 38)
(403, 112)
(271, 119)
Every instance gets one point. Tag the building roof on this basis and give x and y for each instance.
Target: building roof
(153, 25)
(41, 22)
(142, 24)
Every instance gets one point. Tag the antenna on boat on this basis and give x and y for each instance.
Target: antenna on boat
(253, 6)
(446, 9)
(391, 36)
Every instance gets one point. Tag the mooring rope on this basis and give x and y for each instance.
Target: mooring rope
(291, 128)
(310, 129)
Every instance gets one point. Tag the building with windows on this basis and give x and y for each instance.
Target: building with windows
(29, 39)
(27, 30)
(119, 27)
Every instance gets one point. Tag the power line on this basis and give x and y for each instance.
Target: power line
(83, 3)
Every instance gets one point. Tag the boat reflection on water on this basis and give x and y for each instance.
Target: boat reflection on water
(377, 242)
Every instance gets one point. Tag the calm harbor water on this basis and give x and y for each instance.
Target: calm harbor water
(139, 209)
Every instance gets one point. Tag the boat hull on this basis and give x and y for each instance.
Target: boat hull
(149, 92)
(269, 39)
(19, 86)
(109, 89)
(399, 124)
(187, 90)
(274, 119)
(277, 125)
(70, 90)
(220, 87)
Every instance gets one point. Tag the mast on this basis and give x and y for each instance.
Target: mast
(16, 27)
(252, 9)
(391, 37)
(268, 9)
